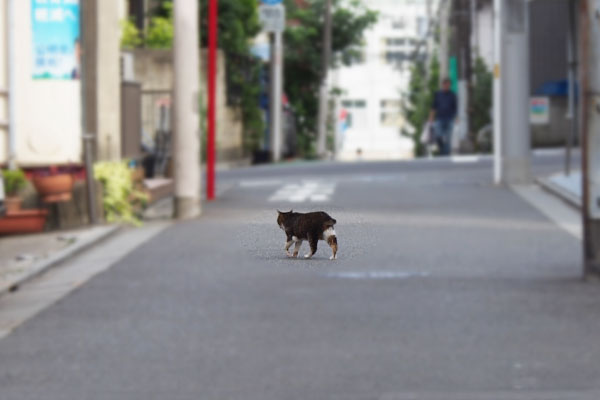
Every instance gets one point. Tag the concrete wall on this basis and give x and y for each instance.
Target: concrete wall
(47, 112)
(154, 70)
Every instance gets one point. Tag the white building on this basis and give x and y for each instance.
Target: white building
(368, 113)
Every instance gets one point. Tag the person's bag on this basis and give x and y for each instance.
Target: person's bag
(427, 134)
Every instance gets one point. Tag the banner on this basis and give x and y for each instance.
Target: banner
(56, 44)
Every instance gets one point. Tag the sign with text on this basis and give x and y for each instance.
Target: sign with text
(271, 2)
(272, 17)
(539, 110)
(56, 46)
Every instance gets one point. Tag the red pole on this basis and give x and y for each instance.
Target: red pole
(212, 86)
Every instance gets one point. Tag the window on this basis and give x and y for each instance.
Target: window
(392, 118)
(393, 104)
(354, 103)
(395, 41)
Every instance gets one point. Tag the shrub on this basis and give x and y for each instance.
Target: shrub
(120, 198)
(14, 180)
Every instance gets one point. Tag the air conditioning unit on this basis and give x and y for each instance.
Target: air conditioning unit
(127, 67)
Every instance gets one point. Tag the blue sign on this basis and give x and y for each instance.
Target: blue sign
(271, 2)
(56, 43)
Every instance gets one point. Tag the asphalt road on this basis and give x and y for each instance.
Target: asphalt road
(446, 287)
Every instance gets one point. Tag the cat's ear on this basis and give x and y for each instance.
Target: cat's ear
(291, 211)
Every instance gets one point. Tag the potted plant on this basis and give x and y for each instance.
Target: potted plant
(14, 181)
(54, 184)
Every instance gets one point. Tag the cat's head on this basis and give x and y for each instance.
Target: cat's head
(282, 218)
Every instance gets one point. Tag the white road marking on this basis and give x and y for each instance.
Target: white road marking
(378, 274)
(259, 183)
(313, 191)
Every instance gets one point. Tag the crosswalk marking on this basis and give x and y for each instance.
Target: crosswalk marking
(312, 191)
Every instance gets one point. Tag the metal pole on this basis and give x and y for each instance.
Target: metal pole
(12, 138)
(572, 77)
(497, 90)
(87, 138)
(323, 95)
(186, 149)
(589, 94)
(88, 141)
(276, 94)
(212, 106)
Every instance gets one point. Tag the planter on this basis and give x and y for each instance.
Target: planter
(54, 188)
(13, 204)
(24, 221)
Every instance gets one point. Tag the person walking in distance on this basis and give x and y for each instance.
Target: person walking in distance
(442, 115)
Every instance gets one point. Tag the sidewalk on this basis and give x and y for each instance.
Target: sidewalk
(568, 188)
(26, 256)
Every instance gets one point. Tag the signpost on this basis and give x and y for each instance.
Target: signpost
(272, 16)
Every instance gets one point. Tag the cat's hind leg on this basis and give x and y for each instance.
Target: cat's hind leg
(297, 248)
(332, 241)
(288, 244)
(312, 240)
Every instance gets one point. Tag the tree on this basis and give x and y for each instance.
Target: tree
(417, 101)
(303, 51)
(482, 96)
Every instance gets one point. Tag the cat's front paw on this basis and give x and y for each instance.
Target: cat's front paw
(308, 255)
(333, 258)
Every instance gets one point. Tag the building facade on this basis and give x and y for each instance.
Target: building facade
(368, 114)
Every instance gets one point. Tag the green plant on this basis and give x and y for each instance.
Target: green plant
(417, 101)
(160, 32)
(130, 37)
(14, 180)
(481, 103)
(120, 198)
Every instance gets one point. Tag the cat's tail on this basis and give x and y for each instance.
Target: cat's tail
(332, 242)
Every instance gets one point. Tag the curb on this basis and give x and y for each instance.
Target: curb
(58, 258)
(559, 192)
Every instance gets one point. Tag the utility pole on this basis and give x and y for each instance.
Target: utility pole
(572, 78)
(186, 149)
(276, 82)
(589, 18)
(462, 23)
(512, 148)
(444, 6)
(323, 92)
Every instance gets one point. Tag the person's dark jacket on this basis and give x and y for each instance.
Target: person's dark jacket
(444, 104)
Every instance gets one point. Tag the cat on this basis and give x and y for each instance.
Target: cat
(312, 226)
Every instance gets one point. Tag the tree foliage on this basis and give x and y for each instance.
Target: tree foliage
(303, 52)
(417, 101)
(481, 103)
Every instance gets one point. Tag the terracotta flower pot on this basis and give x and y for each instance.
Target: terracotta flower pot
(54, 188)
(24, 221)
(13, 204)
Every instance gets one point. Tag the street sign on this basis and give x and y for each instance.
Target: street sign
(272, 17)
(271, 2)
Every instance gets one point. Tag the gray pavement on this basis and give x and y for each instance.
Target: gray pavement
(446, 287)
